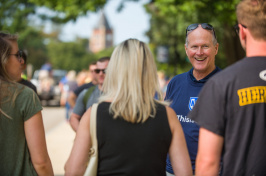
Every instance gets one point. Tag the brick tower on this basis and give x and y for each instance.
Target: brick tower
(102, 35)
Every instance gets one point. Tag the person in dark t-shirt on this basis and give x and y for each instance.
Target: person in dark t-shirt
(25, 81)
(231, 108)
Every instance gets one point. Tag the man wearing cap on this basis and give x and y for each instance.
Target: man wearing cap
(231, 109)
(201, 47)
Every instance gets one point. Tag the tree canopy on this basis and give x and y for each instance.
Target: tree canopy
(66, 10)
(20, 16)
(169, 19)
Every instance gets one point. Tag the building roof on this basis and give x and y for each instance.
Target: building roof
(103, 22)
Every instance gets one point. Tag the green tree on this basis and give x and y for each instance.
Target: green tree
(169, 18)
(15, 18)
(14, 15)
(69, 55)
(66, 10)
(19, 16)
(104, 53)
(31, 40)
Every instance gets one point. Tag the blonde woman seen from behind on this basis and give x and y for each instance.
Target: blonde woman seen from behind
(22, 139)
(134, 131)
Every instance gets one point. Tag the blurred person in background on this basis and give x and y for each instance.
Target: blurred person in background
(89, 96)
(134, 131)
(22, 138)
(162, 82)
(23, 79)
(231, 109)
(83, 77)
(46, 82)
(69, 85)
(74, 94)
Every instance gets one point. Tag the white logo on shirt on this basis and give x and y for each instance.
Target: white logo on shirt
(184, 119)
(263, 75)
(192, 102)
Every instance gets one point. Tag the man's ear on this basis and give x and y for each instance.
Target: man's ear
(242, 32)
(242, 36)
(185, 48)
(216, 48)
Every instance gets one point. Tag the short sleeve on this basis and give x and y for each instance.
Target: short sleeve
(209, 110)
(28, 103)
(78, 90)
(79, 107)
(168, 90)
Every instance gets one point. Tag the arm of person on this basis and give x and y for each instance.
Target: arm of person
(79, 156)
(178, 151)
(209, 153)
(78, 111)
(35, 137)
(74, 121)
(72, 99)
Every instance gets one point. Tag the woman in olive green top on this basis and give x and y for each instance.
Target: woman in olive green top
(22, 139)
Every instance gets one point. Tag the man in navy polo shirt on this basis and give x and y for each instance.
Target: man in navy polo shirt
(201, 47)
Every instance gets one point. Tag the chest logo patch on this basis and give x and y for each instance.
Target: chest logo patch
(263, 75)
(192, 102)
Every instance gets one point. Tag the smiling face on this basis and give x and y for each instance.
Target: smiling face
(14, 68)
(201, 52)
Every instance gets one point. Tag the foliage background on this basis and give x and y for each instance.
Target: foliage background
(169, 19)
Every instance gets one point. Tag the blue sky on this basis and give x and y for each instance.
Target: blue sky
(131, 22)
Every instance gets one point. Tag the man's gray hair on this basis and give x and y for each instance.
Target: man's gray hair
(214, 40)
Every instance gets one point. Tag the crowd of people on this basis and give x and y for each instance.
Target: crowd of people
(206, 121)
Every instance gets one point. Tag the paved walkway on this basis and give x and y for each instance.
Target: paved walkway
(59, 143)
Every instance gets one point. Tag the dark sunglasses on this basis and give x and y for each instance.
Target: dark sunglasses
(237, 28)
(19, 56)
(203, 25)
(99, 70)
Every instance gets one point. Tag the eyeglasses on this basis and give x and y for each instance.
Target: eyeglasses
(203, 25)
(237, 28)
(19, 56)
(99, 70)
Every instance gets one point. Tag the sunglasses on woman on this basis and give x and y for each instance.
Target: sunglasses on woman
(203, 25)
(19, 56)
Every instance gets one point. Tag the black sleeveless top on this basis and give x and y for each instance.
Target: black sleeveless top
(132, 149)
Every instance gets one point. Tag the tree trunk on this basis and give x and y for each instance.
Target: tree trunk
(232, 47)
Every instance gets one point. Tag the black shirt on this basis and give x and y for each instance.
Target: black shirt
(132, 149)
(29, 84)
(232, 104)
(78, 90)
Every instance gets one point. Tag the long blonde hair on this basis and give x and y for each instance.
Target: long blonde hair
(131, 82)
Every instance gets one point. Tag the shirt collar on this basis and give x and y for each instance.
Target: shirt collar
(205, 78)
